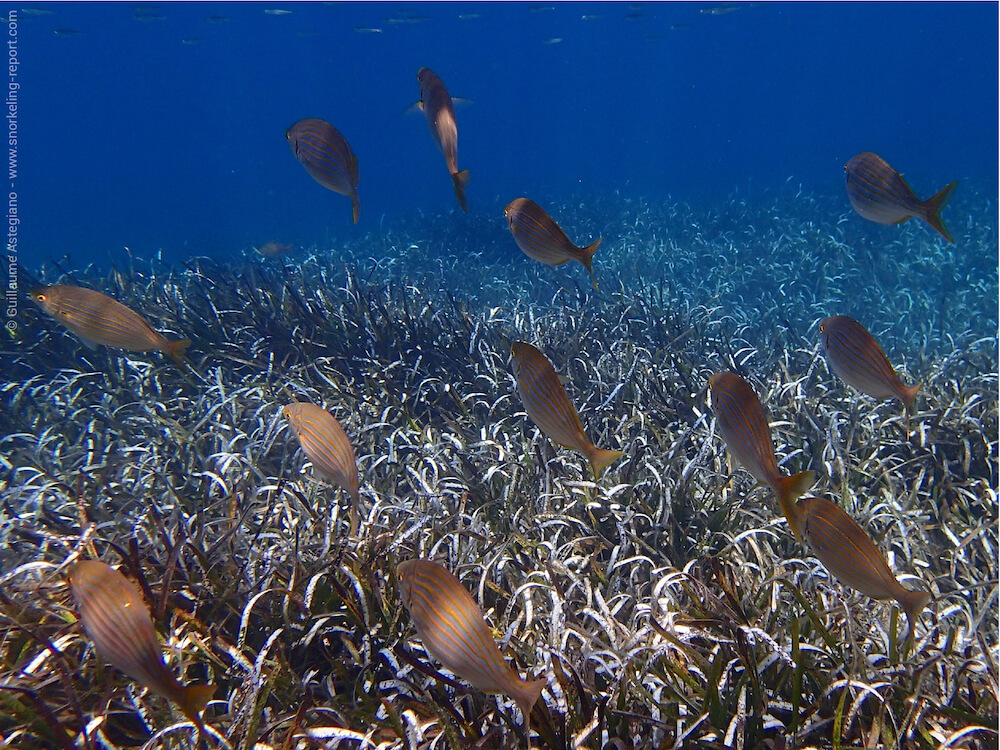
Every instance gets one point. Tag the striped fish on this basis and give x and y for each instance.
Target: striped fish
(744, 427)
(549, 407)
(96, 319)
(117, 620)
(880, 194)
(436, 104)
(860, 362)
(452, 628)
(327, 157)
(327, 446)
(852, 557)
(541, 239)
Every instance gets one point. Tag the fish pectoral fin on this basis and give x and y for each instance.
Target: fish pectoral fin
(415, 107)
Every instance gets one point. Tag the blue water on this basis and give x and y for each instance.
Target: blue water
(154, 128)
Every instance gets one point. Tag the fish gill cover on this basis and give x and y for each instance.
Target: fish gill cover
(667, 603)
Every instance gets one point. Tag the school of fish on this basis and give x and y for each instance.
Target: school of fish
(445, 615)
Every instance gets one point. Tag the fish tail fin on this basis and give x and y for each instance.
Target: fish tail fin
(908, 394)
(527, 695)
(356, 203)
(601, 458)
(175, 350)
(193, 700)
(788, 489)
(588, 259)
(913, 602)
(460, 180)
(932, 209)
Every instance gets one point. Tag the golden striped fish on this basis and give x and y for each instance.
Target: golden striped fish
(541, 239)
(327, 157)
(327, 446)
(744, 427)
(117, 620)
(547, 404)
(96, 319)
(860, 362)
(452, 628)
(436, 104)
(852, 557)
(880, 194)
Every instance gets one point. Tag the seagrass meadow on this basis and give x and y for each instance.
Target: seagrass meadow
(666, 604)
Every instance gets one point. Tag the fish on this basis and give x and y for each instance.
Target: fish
(743, 425)
(880, 194)
(327, 157)
(719, 10)
(452, 628)
(116, 618)
(541, 239)
(849, 553)
(549, 407)
(329, 449)
(273, 249)
(277, 12)
(860, 362)
(96, 319)
(437, 106)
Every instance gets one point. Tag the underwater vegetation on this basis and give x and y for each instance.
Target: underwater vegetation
(666, 605)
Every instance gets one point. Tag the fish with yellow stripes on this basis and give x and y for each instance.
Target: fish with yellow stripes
(327, 157)
(880, 194)
(856, 357)
(329, 449)
(116, 618)
(452, 628)
(744, 427)
(96, 319)
(541, 239)
(839, 542)
(549, 407)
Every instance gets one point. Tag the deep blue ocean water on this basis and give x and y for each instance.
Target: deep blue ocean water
(161, 126)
